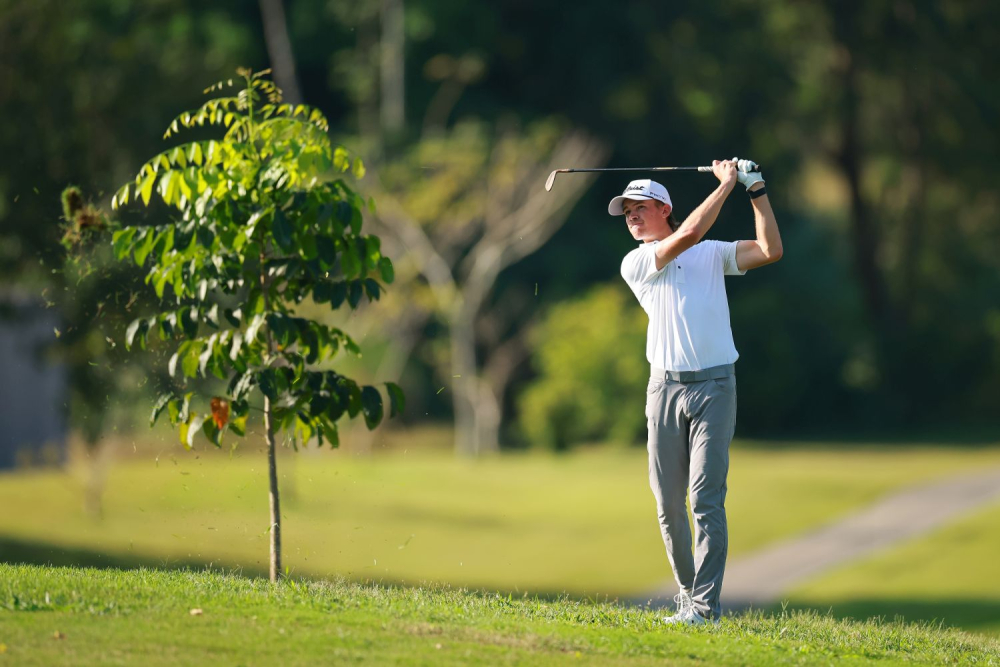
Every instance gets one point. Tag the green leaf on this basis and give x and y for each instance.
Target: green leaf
(181, 352)
(341, 160)
(281, 230)
(385, 268)
(338, 294)
(233, 316)
(371, 248)
(397, 401)
(359, 168)
(326, 250)
(372, 289)
(145, 246)
(139, 327)
(174, 410)
(212, 432)
(189, 321)
(371, 403)
(267, 384)
(121, 241)
(161, 403)
(146, 189)
(323, 292)
(238, 425)
(354, 293)
(355, 220)
(190, 362)
(344, 212)
(189, 429)
(349, 260)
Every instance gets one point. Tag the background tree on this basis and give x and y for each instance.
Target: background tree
(479, 208)
(584, 379)
(873, 128)
(266, 222)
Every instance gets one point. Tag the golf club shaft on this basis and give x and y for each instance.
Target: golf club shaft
(569, 171)
(552, 177)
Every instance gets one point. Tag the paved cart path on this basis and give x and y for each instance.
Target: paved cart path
(761, 578)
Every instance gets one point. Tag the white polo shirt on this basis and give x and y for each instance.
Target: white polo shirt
(686, 304)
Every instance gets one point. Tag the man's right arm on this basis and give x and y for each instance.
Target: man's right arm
(701, 219)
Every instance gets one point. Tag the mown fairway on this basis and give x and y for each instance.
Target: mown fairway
(952, 574)
(583, 524)
(100, 617)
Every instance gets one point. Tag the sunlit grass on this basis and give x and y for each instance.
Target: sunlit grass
(82, 617)
(953, 575)
(583, 524)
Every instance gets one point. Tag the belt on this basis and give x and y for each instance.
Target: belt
(713, 373)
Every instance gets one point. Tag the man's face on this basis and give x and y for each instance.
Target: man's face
(647, 219)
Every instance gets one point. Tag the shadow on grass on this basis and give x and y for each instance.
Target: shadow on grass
(20, 552)
(973, 615)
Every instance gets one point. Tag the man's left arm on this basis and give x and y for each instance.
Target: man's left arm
(766, 248)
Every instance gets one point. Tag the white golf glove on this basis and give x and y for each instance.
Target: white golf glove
(747, 172)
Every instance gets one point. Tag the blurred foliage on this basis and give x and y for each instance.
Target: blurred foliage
(875, 124)
(590, 378)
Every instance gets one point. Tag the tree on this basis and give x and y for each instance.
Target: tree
(586, 372)
(478, 209)
(266, 222)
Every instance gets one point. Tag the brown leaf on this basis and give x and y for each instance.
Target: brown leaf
(220, 411)
(58, 635)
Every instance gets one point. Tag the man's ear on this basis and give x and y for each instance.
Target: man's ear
(666, 209)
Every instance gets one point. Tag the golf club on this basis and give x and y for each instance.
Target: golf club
(552, 177)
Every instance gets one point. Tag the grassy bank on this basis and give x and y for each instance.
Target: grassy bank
(583, 524)
(950, 575)
(82, 617)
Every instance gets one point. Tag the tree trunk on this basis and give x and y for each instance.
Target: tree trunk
(272, 462)
(279, 49)
(464, 383)
(865, 237)
(488, 415)
(392, 67)
(272, 475)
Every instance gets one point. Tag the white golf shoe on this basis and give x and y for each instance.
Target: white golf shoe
(686, 614)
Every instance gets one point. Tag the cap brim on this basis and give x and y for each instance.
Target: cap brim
(615, 207)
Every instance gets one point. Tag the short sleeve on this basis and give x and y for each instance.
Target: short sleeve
(728, 252)
(639, 269)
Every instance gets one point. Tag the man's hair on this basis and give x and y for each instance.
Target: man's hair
(671, 220)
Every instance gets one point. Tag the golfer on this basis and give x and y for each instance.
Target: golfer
(691, 396)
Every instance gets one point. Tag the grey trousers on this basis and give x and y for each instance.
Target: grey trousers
(691, 422)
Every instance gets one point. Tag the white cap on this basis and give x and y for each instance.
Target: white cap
(641, 189)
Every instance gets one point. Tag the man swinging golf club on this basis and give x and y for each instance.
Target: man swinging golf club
(691, 396)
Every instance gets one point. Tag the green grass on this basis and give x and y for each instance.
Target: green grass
(582, 524)
(77, 616)
(951, 574)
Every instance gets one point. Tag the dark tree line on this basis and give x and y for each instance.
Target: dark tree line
(875, 123)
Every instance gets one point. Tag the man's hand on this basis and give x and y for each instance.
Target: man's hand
(725, 171)
(747, 173)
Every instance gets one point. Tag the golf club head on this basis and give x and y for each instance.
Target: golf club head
(550, 180)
